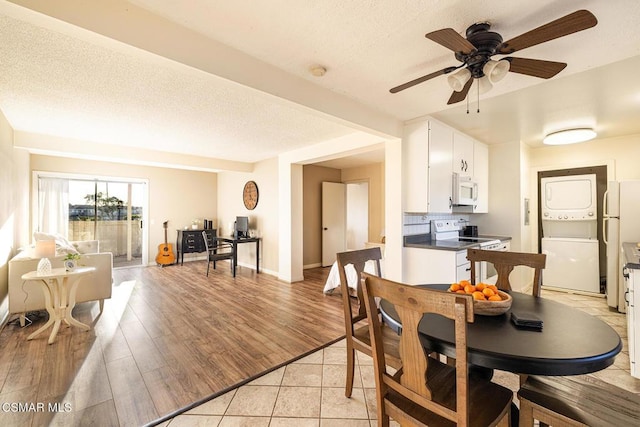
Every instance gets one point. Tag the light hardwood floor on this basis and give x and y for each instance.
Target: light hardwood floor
(167, 338)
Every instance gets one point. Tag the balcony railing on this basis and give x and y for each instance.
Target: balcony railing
(111, 234)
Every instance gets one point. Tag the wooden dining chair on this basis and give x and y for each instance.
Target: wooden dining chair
(426, 391)
(504, 263)
(218, 249)
(357, 329)
(576, 401)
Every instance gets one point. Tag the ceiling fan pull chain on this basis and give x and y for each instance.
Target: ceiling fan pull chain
(467, 104)
(478, 92)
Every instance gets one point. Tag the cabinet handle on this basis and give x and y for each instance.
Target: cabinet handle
(465, 165)
(450, 202)
(461, 165)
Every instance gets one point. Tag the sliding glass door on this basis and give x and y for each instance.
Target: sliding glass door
(110, 211)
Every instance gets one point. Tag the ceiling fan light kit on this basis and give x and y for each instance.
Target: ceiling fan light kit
(569, 136)
(476, 50)
(458, 79)
(496, 70)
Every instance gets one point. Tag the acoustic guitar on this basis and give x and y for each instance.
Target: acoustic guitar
(165, 251)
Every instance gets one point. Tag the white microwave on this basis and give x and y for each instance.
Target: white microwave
(465, 190)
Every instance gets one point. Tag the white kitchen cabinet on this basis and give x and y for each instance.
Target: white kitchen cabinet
(481, 175)
(423, 266)
(632, 281)
(440, 179)
(463, 154)
(432, 153)
(416, 161)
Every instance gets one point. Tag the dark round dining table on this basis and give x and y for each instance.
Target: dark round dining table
(571, 341)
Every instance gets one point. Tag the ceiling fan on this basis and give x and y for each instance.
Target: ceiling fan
(475, 52)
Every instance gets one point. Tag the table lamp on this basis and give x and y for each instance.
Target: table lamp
(45, 249)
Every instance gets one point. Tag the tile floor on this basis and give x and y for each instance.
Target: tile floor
(310, 391)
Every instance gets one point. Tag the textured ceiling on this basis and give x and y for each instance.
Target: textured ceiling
(61, 79)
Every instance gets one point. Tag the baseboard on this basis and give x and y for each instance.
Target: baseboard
(308, 266)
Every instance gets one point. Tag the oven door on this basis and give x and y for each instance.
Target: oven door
(488, 273)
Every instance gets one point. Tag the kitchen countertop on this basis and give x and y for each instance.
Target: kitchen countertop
(424, 241)
(631, 255)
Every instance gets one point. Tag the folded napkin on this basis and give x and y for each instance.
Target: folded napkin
(526, 320)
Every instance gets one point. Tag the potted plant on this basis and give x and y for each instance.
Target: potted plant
(71, 261)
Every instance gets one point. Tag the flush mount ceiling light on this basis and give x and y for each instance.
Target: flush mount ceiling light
(569, 136)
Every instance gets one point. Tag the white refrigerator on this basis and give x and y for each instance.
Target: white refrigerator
(621, 211)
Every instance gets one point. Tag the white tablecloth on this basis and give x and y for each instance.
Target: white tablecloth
(333, 281)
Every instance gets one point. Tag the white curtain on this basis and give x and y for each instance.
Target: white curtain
(53, 205)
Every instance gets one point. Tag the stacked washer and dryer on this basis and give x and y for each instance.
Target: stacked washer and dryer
(570, 230)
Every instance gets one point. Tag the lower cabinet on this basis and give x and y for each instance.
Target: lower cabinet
(424, 266)
(190, 241)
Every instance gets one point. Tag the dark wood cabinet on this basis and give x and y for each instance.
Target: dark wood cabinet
(190, 241)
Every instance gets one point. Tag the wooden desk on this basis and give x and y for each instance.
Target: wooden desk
(239, 240)
(572, 342)
(59, 289)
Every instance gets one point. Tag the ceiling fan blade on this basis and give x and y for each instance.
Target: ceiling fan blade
(422, 79)
(449, 38)
(460, 96)
(535, 67)
(569, 24)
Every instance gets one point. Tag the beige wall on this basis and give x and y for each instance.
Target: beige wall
(264, 218)
(374, 175)
(620, 155)
(313, 176)
(513, 177)
(14, 205)
(624, 152)
(175, 195)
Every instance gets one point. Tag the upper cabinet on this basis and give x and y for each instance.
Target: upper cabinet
(462, 154)
(416, 166)
(440, 176)
(432, 153)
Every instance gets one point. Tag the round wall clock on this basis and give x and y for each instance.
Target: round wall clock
(250, 195)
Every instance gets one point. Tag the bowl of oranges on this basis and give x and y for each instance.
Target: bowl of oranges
(487, 299)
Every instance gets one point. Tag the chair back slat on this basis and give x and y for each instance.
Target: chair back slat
(504, 263)
(358, 259)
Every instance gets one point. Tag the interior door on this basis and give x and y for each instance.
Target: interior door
(334, 221)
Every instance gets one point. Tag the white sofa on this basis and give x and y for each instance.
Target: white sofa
(26, 297)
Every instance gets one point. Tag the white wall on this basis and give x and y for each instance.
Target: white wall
(14, 205)
(504, 194)
(264, 218)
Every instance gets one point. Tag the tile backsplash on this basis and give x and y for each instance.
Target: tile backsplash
(420, 223)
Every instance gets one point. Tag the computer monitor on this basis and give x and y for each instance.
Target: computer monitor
(242, 226)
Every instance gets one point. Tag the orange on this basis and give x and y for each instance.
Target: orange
(469, 288)
(454, 287)
(460, 291)
(494, 288)
(478, 295)
(465, 282)
(495, 297)
(488, 292)
(480, 287)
